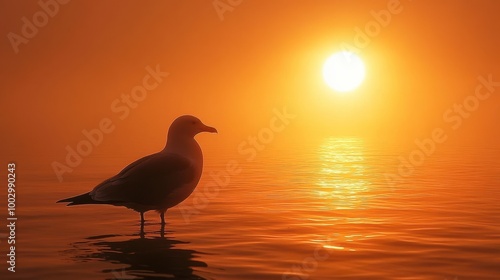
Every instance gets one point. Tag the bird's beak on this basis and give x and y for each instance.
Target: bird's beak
(210, 129)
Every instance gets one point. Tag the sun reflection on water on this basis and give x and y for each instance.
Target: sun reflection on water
(344, 192)
(342, 176)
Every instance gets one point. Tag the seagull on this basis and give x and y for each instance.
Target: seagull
(159, 181)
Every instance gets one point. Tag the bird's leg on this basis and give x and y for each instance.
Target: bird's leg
(142, 225)
(162, 231)
(162, 216)
(142, 218)
(141, 233)
(142, 221)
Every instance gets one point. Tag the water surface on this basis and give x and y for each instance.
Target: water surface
(323, 211)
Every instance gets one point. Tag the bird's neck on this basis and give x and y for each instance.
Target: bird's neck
(184, 146)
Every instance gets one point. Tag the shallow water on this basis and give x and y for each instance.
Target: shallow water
(323, 211)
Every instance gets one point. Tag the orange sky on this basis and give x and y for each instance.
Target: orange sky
(233, 72)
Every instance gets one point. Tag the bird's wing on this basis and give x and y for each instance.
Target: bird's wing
(135, 163)
(147, 181)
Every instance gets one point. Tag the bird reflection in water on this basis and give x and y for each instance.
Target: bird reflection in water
(145, 258)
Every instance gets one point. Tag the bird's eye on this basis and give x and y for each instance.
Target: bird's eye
(193, 122)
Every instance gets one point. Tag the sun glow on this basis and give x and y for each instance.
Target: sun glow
(344, 71)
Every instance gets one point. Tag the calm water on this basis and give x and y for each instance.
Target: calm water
(324, 211)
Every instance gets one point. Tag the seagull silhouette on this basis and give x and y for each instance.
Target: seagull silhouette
(158, 181)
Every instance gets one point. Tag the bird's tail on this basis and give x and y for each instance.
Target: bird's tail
(79, 199)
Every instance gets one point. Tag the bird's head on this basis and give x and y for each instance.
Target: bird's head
(189, 126)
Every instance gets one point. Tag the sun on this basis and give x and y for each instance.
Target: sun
(344, 71)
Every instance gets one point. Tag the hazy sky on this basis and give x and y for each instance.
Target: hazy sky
(233, 67)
